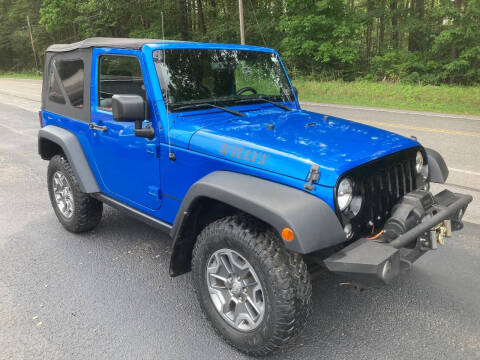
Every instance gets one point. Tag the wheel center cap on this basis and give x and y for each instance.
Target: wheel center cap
(236, 287)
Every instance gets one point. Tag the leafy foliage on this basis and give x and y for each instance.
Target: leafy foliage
(412, 41)
(318, 33)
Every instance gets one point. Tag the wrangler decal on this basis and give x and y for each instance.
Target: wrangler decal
(239, 152)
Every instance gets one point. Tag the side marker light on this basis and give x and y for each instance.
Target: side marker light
(287, 234)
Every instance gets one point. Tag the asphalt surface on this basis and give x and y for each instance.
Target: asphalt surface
(107, 294)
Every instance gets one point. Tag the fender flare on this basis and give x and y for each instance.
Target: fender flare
(314, 223)
(73, 151)
(437, 168)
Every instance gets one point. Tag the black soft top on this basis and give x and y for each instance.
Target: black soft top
(118, 43)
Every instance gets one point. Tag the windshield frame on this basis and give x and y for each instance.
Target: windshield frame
(291, 101)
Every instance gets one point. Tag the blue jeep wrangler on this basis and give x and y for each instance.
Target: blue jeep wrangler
(208, 143)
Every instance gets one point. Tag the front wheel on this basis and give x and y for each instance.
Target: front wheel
(256, 294)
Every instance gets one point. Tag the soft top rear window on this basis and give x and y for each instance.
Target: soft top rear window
(71, 73)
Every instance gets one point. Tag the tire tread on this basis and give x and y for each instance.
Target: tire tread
(287, 273)
(88, 211)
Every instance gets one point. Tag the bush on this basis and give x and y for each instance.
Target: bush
(404, 66)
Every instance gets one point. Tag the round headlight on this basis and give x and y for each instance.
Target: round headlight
(420, 166)
(344, 193)
(419, 162)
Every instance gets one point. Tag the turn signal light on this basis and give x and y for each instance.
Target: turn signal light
(40, 118)
(287, 234)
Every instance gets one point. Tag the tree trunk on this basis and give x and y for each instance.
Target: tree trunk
(213, 3)
(183, 19)
(457, 4)
(417, 12)
(381, 29)
(370, 7)
(393, 10)
(411, 33)
(75, 33)
(193, 17)
(201, 18)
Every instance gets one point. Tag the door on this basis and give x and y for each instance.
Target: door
(128, 166)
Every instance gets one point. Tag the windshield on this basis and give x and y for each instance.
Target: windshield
(221, 77)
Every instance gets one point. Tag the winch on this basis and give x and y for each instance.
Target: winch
(411, 211)
(407, 214)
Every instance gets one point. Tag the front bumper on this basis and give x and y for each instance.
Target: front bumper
(375, 261)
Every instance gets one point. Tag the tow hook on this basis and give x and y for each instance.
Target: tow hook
(436, 236)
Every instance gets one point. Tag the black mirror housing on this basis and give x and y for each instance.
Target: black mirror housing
(128, 108)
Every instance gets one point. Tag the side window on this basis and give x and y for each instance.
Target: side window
(72, 75)
(54, 92)
(119, 75)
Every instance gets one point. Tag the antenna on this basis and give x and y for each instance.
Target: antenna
(171, 155)
(163, 30)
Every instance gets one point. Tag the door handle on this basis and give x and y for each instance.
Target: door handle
(94, 126)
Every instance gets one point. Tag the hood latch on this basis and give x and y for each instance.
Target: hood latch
(313, 176)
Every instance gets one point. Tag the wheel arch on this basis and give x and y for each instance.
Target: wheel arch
(48, 148)
(437, 168)
(54, 140)
(222, 193)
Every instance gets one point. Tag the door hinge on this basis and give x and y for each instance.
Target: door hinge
(313, 176)
(154, 191)
(152, 149)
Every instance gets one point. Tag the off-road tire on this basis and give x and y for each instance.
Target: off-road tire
(87, 210)
(283, 276)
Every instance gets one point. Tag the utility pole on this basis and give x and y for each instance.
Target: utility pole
(31, 39)
(242, 22)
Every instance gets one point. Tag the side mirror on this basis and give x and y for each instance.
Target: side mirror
(128, 108)
(131, 108)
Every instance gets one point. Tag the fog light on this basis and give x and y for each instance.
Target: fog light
(348, 231)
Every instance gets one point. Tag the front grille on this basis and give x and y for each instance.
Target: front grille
(385, 188)
(382, 183)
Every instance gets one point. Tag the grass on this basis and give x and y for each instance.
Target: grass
(444, 98)
(22, 75)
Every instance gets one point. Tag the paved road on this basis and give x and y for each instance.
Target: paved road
(107, 294)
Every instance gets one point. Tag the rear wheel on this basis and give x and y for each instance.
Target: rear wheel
(76, 210)
(256, 294)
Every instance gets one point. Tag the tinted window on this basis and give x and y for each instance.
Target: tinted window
(54, 92)
(72, 75)
(119, 75)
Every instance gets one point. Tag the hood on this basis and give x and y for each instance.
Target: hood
(288, 143)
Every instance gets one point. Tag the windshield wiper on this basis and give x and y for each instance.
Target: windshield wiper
(264, 100)
(206, 105)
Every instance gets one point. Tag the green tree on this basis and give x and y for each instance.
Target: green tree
(430, 41)
(319, 35)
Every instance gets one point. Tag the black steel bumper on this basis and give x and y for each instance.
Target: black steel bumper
(374, 261)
